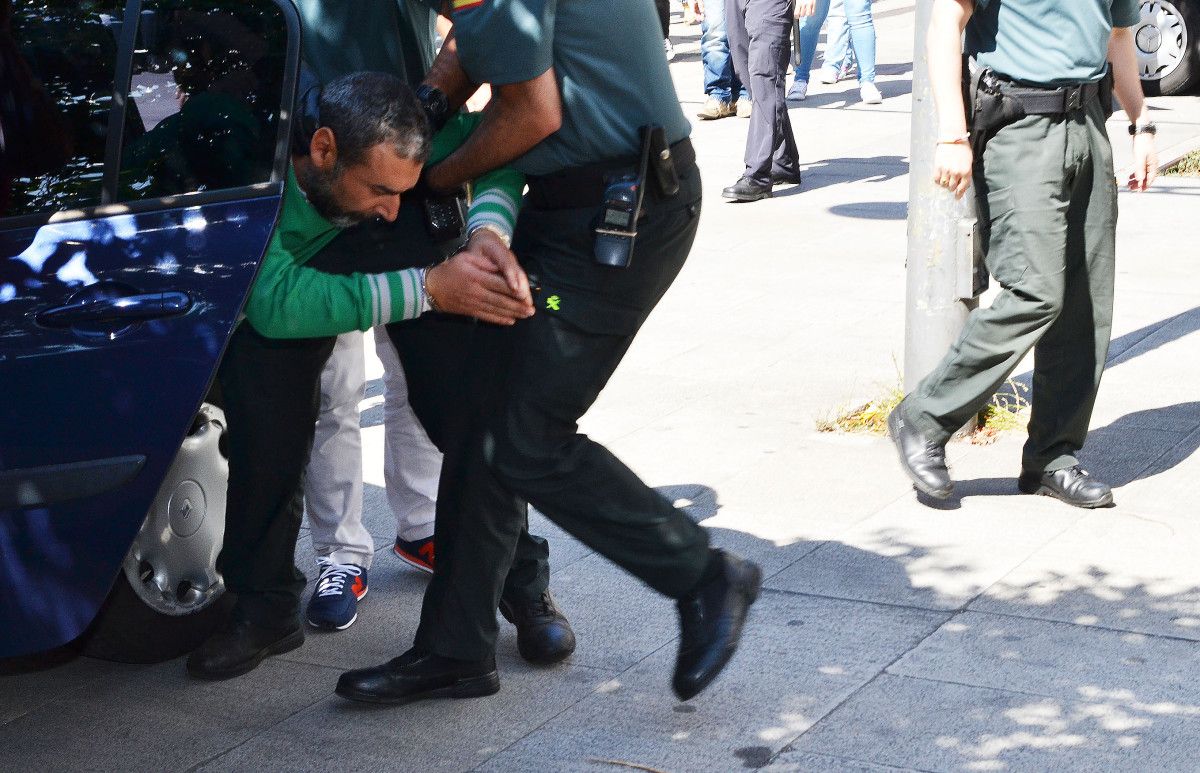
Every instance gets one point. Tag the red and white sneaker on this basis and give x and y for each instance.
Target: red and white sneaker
(417, 554)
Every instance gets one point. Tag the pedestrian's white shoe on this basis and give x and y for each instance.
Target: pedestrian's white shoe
(870, 94)
(798, 91)
(828, 75)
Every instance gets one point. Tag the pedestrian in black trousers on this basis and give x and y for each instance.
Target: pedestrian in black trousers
(760, 45)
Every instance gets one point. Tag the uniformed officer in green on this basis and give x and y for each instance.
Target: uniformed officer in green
(1047, 197)
(572, 82)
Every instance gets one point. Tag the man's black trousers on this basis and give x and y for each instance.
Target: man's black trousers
(541, 376)
(270, 390)
(760, 40)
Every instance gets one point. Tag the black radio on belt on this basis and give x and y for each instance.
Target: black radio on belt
(616, 230)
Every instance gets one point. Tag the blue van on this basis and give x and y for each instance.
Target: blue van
(143, 145)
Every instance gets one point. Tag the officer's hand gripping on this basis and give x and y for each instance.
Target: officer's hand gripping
(475, 284)
(489, 245)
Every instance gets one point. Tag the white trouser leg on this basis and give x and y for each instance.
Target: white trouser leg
(333, 486)
(411, 462)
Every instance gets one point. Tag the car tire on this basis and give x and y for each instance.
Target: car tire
(1167, 42)
(168, 596)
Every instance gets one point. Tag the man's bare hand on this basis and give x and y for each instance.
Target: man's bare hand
(1145, 162)
(489, 245)
(805, 8)
(469, 284)
(952, 167)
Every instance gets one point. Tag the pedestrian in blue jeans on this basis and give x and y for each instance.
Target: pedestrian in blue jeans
(837, 59)
(810, 15)
(725, 92)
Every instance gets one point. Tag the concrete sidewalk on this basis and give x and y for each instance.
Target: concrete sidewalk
(998, 632)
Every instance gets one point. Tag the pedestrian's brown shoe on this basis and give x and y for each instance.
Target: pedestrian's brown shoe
(715, 108)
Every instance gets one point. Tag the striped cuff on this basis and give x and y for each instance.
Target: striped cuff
(494, 207)
(396, 296)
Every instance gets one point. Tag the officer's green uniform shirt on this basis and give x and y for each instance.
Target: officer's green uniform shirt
(605, 97)
(1048, 42)
(345, 36)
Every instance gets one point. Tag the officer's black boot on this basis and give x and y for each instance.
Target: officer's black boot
(416, 675)
(924, 460)
(1073, 485)
(711, 619)
(785, 178)
(747, 189)
(543, 634)
(239, 647)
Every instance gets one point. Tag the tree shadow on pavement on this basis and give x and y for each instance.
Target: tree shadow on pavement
(1120, 454)
(1073, 663)
(901, 645)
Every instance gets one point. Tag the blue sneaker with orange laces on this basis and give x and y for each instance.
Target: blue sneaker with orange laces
(334, 603)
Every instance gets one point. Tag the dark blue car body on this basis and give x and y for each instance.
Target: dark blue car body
(113, 319)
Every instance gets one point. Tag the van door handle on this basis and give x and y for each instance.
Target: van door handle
(129, 308)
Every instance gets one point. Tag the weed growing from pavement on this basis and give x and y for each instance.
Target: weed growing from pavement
(1188, 166)
(1007, 410)
(871, 417)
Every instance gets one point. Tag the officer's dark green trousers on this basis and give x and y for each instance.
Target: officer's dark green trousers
(1046, 191)
(541, 376)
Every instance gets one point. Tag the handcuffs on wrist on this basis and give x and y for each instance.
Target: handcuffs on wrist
(429, 303)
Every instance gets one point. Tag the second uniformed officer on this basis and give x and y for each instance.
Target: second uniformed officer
(1046, 192)
(572, 83)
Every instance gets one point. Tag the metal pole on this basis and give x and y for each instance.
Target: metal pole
(941, 279)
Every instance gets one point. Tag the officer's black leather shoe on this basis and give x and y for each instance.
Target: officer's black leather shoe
(785, 178)
(1072, 485)
(710, 623)
(746, 189)
(543, 634)
(239, 647)
(923, 460)
(416, 675)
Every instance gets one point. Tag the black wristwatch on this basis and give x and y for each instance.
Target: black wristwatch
(1146, 128)
(437, 107)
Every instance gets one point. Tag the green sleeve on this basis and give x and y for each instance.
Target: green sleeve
(496, 195)
(290, 300)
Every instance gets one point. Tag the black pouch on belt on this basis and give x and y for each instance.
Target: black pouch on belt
(1105, 92)
(989, 109)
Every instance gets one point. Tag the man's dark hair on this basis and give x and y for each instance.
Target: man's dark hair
(364, 109)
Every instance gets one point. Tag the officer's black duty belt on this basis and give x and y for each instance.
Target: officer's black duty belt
(583, 186)
(1051, 101)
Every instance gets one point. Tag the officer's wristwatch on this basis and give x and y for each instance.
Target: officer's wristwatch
(437, 107)
(1146, 128)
